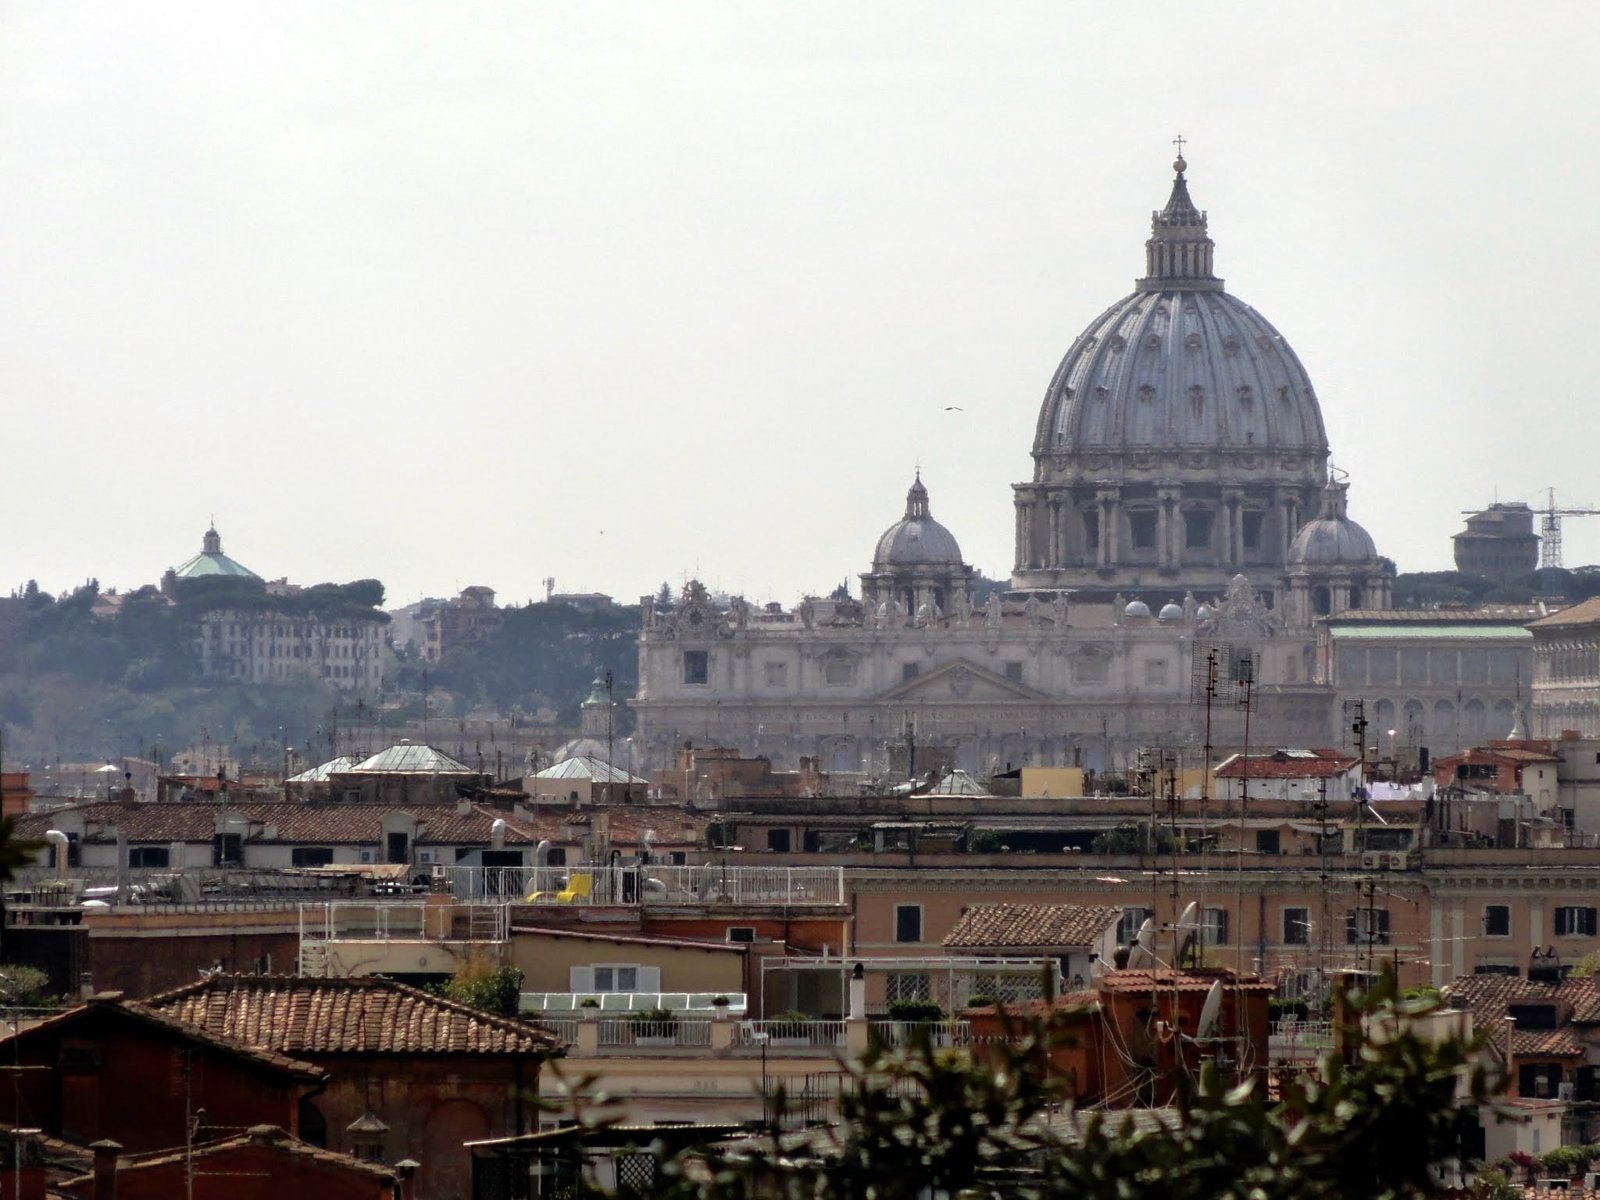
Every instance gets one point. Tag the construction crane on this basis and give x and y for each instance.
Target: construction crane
(1550, 528)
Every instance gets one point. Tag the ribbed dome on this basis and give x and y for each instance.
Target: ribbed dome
(916, 539)
(1180, 364)
(1333, 538)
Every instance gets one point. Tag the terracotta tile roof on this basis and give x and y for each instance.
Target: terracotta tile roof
(1490, 996)
(269, 1136)
(1016, 925)
(1313, 764)
(365, 1015)
(112, 1002)
(302, 823)
(1184, 981)
(1586, 613)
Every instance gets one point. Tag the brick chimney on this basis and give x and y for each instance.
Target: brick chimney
(105, 1168)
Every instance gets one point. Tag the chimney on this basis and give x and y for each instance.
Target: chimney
(406, 1172)
(105, 1168)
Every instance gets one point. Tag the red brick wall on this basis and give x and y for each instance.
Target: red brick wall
(431, 1106)
(142, 966)
(132, 1086)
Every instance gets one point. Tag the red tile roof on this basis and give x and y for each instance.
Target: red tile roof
(1586, 613)
(214, 1154)
(1168, 980)
(365, 1015)
(1021, 925)
(112, 1003)
(1490, 996)
(1310, 765)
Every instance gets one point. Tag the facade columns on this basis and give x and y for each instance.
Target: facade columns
(1054, 557)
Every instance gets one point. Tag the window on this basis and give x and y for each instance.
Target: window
(778, 839)
(908, 922)
(72, 851)
(1196, 530)
(909, 671)
(1014, 672)
(1251, 523)
(696, 668)
(1366, 926)
(1128, 926)
(839, 671)
(1089, 669)
(776, 674)
(311, 856)
(1269, 841)
(1142, 525)
(1242, 666)
(1214, 927)
(741, 933)
(900, 986)
(1091, 529)
(1575, 921)
(228, 849)
(397, 848)
(1296, 926)
(149, 856)
(616, 979)
(1496, 920)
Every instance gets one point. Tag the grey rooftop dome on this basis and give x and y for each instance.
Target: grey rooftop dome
(1136, 608)
(916, 540)
(1170, 611)
(1180, 364)
(1333, 538)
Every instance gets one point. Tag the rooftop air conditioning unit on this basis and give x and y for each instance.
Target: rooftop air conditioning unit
(1395, 862)
(1374, 862)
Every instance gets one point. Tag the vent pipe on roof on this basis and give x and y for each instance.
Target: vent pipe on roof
(541, 853)
(497, 834)
(60, 841)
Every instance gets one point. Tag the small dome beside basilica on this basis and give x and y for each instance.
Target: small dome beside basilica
(1332, 538)
(916, 539)
(1170, 611)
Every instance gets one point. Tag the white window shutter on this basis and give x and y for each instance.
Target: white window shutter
(649, 979)
(580, 979)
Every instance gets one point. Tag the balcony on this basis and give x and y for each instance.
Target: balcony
(653, 885)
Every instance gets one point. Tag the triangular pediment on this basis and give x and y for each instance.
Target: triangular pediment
(957, 682)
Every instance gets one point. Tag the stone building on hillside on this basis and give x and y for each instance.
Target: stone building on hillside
(1181, 535)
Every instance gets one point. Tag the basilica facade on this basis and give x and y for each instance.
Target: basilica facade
(1177, 544)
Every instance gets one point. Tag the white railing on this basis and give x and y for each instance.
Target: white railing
(677, 1031)
(565, 1028)
(818, 1035)
(355, 920)
(900, 1034)
(710, 883)
(1307, 1033)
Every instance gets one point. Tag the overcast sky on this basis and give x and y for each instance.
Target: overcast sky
(457, 293)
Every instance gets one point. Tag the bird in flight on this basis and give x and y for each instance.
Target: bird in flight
(954, 408)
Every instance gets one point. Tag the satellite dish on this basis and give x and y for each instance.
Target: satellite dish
(1142, 952)
(1209, 1012)
(1186, 920)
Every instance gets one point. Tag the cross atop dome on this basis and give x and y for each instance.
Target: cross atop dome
(1178, 254)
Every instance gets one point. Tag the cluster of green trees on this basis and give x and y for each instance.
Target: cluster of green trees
(542, 656)
(75, 686)
(1449, 589)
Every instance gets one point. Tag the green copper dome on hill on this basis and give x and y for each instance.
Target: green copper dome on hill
(212, 561)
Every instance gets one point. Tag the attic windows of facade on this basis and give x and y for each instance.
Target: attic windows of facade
(1197, 529)
(696, 668)
(1014, 672)
(839, 671)
(1575, 921)
(149, 856)
(1142, 529)
(1250, 527)
(775, 674)
(1496, 920)
(909, 671)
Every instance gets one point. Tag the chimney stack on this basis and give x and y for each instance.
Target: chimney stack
(406, 1172)
(105, 1168)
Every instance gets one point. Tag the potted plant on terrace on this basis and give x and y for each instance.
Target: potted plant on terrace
(654, 1027)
